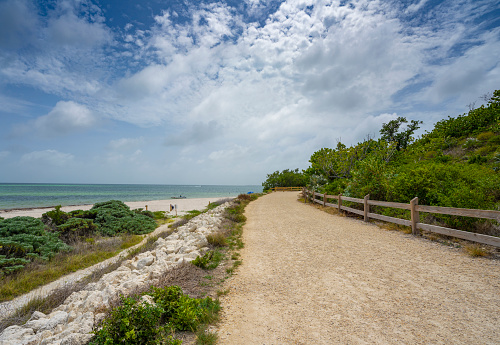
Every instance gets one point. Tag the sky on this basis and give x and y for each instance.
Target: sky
(225, 92)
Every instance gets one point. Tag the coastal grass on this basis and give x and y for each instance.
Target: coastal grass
(86, 254)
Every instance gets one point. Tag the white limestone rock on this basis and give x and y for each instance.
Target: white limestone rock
(15, 334)
(76, 339)
(145, 262)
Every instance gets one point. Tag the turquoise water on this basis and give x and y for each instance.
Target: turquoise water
(26, 195)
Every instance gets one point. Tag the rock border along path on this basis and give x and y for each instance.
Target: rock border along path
(309, 277)
(72, 322)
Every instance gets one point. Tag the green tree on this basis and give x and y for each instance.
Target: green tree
(391, 132)
(285, 178)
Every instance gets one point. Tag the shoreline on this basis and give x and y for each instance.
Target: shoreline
(183, 205)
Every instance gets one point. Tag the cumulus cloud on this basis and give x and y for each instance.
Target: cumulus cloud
(66, 117)
(47, 157)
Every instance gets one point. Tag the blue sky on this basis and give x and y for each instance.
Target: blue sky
(224, 92)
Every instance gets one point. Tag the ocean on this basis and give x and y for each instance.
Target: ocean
(32, 195)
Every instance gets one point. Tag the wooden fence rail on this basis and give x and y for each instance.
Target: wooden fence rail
(414, 209)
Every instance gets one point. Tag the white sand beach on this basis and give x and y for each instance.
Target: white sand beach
(183, 205)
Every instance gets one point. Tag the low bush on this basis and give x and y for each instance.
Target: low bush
(23, 239)
(139, 321)
(55, 217)
(209, 261)
(76, 229)
(114, 217)
(144, 212)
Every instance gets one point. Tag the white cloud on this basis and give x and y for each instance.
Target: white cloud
(416, 6)
(126, 144)
(66, 117)
(47, 157)
(70, 30)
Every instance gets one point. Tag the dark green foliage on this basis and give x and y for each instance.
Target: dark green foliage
(285, 178)
(138, 322)
(182, 312)
(131, 323)
(390, 132)
(477, 159)
(77, 228)
(209, 261)
(144, 212)
(475, 121)
(89, 214)
(55, 217)
(21, 225)
(114, 217)
(23, 239)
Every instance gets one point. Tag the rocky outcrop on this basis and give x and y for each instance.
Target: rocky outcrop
(72, 322)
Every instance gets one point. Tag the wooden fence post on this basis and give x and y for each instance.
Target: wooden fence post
(324, 199)
(304, 194)
(415, 217)
(366, 208)
(339, 204)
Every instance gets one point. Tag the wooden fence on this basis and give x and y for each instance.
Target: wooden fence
(287, 189)
(414, 209)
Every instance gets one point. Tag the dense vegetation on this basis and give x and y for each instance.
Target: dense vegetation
(285, 178)
(457, 164)
(153, 319)
(24, 239)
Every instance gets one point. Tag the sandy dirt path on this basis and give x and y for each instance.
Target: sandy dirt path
(309, 277)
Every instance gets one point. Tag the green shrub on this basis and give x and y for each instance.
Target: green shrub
(485, 136)
(477, 159)
(466, 186)
(369, 177)
(133, 322)
(55, 217)
(285, 178)
(114, 217)
(209, 261)
(77, 228)
(144, 212)
(25, 238)
(466, 124)
(138, 322)
(89, 214)
(235, 213)
(495, 140)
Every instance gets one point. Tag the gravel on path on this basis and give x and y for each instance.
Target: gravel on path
(309, 277)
